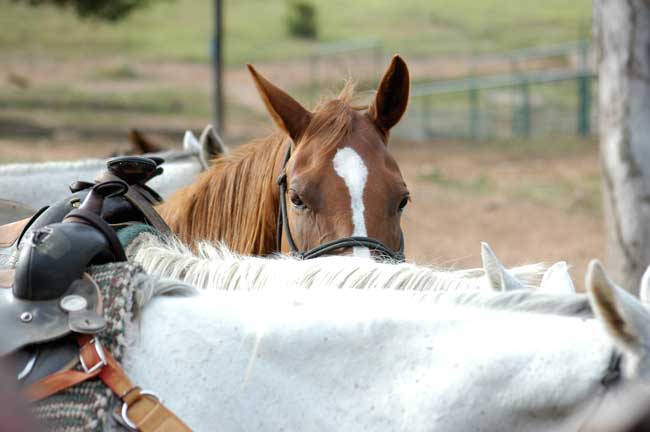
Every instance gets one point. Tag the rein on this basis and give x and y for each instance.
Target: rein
(610, 378)
(344, 242)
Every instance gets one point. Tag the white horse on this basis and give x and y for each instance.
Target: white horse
(34, 185)
(287, 358)
(215, 267)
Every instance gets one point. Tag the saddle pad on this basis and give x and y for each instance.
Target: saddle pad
(86, 407)
(129, 232)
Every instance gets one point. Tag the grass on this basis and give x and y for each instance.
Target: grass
(580, 191)
(72, 100)
(256, 29)
(477, 185)
(583, 195)
(123, 72)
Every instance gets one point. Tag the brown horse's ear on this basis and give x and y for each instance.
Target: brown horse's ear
(392, 96)
(287, 113)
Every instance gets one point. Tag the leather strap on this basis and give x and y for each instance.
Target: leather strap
(59, 381)
(135, 196)
(89, 218)
(142, 409)
(9, 233)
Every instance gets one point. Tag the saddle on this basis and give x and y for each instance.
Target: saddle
(135, 205)
(50, 308)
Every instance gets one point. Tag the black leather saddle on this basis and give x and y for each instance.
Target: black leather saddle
(134, 205)
(52, 296)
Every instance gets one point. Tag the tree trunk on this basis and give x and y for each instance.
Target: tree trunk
(622, 35)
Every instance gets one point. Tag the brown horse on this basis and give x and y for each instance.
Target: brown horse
(340, 179)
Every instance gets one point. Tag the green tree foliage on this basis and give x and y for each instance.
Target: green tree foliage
(301, 19)
(108, 10)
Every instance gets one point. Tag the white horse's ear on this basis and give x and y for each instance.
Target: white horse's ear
(624, 317)
(556, 280)
(211, 146)
(190, 143)
(499, 279)
(644, 290)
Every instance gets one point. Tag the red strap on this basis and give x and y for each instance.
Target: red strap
(62, 380)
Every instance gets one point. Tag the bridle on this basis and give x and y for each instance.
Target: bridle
(374, 245)
(610, 379)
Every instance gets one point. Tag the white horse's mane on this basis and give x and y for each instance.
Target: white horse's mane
(148, 287)
(574, 305)
(215, 267)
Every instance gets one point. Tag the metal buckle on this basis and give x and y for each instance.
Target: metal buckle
(100, 353)
(125, 408)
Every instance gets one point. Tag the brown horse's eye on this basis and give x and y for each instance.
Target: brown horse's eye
(296, 200)
(403, 203)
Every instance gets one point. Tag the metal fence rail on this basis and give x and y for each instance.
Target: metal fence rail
(555, 102)
(527, 92)
(519, 103)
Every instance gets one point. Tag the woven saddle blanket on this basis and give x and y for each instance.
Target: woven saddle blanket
(87, 406)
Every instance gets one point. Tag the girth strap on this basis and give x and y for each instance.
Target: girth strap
(141, 410)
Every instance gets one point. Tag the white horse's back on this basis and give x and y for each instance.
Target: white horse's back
(364, 360)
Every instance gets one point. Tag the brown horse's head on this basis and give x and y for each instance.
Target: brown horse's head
(341, 179)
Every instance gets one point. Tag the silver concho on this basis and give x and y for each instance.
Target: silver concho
(73, 303)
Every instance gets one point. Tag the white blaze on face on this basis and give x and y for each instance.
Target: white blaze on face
(350, 167)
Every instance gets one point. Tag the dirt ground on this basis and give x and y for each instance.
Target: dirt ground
(446, 221)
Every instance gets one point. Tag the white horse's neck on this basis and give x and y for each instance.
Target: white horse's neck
(363, 360)
(40, 184)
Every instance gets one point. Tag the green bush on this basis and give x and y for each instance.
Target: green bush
(109, 10)
(301, 19)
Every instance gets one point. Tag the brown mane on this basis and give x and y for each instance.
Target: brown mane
(236, 200)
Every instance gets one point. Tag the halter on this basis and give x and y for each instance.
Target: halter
(344, 242)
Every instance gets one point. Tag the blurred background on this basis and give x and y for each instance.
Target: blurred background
(498, 144)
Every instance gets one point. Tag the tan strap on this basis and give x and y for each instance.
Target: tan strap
(139, 409)
(59, 381)
(9, 233)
